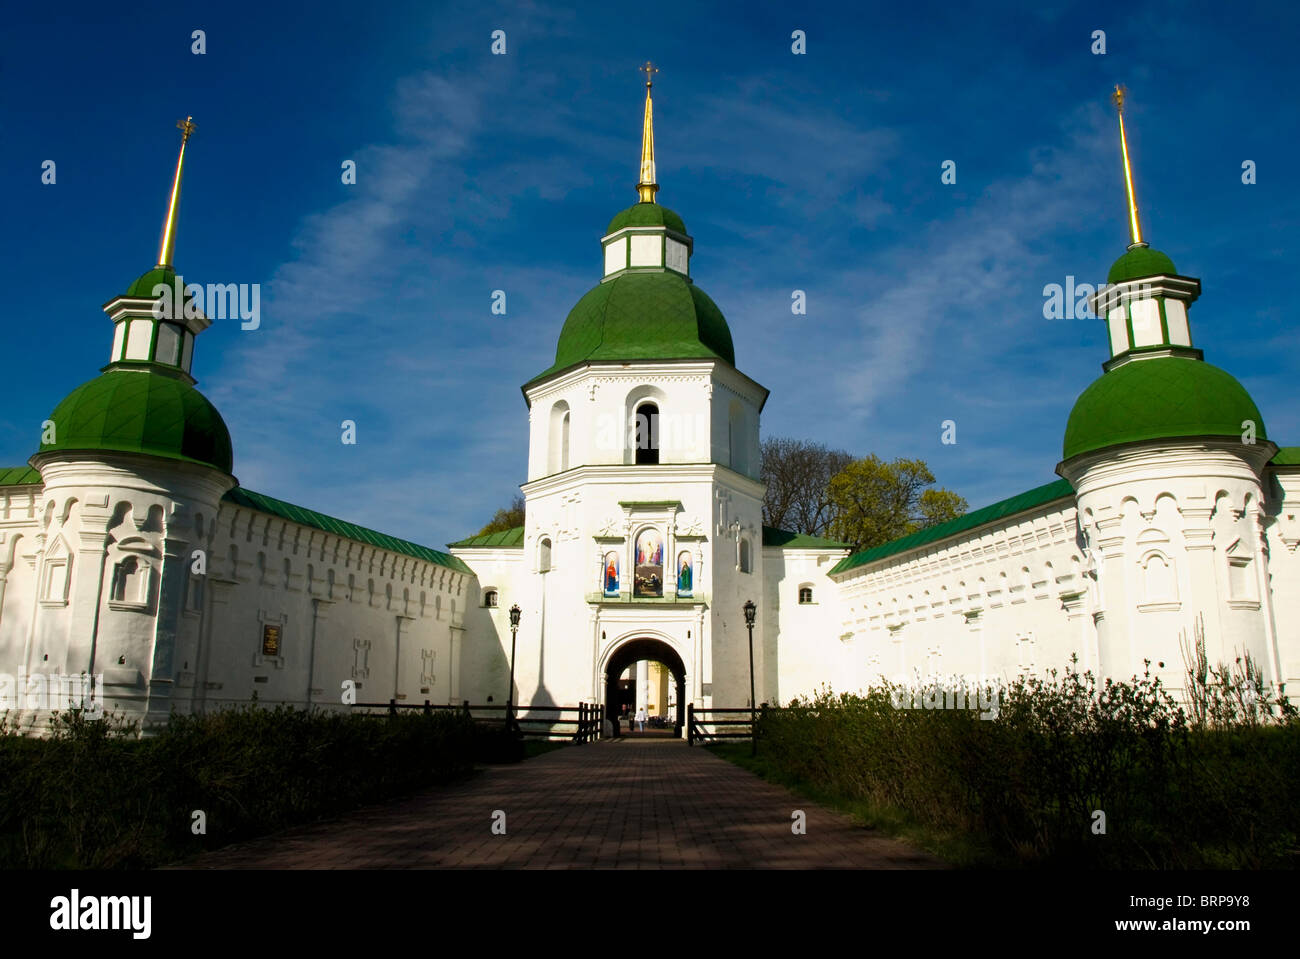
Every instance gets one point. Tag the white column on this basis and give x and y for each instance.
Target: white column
(641, 679)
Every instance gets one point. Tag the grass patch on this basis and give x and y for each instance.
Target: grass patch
(956, 849)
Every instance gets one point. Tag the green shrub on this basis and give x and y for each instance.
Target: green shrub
(93, 795)
(1025, 787)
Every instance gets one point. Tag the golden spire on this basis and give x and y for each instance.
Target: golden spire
(1135, 230)
(168, 246)
(647, 187)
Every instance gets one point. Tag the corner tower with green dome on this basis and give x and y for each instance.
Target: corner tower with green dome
(134, 464)
(1167, 456)
(144, 400)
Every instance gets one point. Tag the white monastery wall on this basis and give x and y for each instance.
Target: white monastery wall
(802, 648)
(1006, 599)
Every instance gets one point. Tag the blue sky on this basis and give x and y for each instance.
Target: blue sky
(477, 172)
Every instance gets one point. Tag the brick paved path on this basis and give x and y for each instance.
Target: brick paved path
(617, 804)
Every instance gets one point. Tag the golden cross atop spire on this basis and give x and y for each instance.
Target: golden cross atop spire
(167, 248)
(1134, 228)
(646, 188)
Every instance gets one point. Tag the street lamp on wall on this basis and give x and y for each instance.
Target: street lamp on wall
(515, 613)
(750, 611)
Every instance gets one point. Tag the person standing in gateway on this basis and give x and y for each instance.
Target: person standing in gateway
(640, 719)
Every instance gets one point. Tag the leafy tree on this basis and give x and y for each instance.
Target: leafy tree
(798, 476)
(873, 502)
(507, 518)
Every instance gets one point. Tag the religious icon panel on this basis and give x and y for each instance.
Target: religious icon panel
(685, 574)
(610, 577)
(649, 564)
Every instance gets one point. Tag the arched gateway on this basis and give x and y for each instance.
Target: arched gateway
(629, 654)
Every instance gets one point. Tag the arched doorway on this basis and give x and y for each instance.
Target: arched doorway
(629, 654)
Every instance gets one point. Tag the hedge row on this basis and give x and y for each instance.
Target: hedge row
(94, 796)
(1063, 760)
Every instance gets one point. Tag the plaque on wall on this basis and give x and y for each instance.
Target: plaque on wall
(270, 639)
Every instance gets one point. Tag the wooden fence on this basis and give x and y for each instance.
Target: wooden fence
(579, 724)
(715, 723)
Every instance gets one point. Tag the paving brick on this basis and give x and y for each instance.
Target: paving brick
(625, 804)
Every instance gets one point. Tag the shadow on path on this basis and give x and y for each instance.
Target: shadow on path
(635, 802)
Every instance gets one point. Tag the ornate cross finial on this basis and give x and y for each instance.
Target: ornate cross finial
(1117, 97)
(166, 250)
(649, 69)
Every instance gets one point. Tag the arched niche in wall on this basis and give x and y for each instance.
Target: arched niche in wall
(1159, 577)
(737, 438)
(134, 565)
(559, 428)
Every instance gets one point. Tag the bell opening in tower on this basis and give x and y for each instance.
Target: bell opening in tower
(647, 434)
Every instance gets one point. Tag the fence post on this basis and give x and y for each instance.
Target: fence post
(465, 706)
(427, 708)
(392, 707)
(690, 724)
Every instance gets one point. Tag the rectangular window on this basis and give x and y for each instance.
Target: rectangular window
(676, 255)
(1176, 320)
(137, 340)
(169, 344)
(56, 581)
(1146, 323)
(1118, 331)
(647, 250)
(616, 255)
(1240, 581)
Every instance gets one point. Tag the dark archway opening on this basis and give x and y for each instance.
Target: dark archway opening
(631, 653)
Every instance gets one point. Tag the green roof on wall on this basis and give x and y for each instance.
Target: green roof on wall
(1038, 496)
(505, 539)
(307, 517)
(19, 476)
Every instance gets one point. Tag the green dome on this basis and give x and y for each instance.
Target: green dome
(647, 214)
(643, 316)
(144, 284)
(142, 411)
(1170, 396)
(1139, 262)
